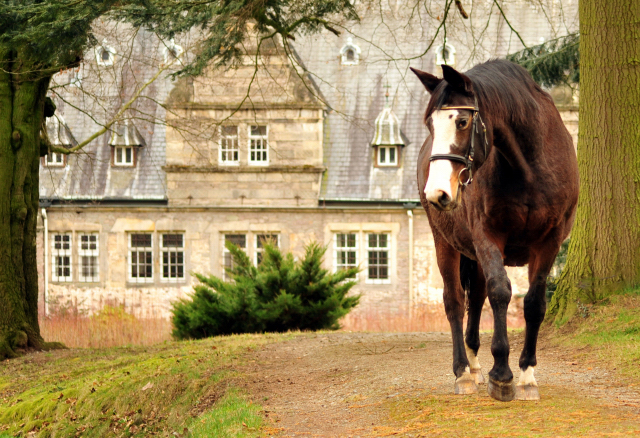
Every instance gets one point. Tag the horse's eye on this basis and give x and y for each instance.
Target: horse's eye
(462, 123)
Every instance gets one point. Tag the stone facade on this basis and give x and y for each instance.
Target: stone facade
(280, 150)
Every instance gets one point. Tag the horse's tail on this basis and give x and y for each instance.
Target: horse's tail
(468, 272)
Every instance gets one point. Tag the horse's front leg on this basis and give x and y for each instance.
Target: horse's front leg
(535, 306)
(474, 284)
(453, 297)
(498, 286)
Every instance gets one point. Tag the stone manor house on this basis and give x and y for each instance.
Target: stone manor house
(318, 143)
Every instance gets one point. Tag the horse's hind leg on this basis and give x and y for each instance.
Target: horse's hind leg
(474, 283)
(535, 306)
(453, 297)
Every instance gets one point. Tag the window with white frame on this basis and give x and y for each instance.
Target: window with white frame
(261, 241)
(387, 156)
(345, 253)
(61, 256)
(378, 245)
(172, 246)
(124, 156)
(258, 145)
(105, 55)
(140, 257)
(229, 152)
(446, 54)
(227, 259)
(350, 53)
(88, 252)
(54, 159)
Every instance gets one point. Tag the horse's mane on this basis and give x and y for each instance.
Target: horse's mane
(504, 91)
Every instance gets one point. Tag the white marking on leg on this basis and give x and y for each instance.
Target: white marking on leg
(473, 359)
(526, 378)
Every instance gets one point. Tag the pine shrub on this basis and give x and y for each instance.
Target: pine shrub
(280, 294)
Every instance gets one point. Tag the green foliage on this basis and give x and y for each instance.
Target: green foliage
(552, 63)
(32, 25)
(279, 295)
(558, 265)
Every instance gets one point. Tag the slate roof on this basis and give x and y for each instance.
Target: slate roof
(391, 37)
(390, 41)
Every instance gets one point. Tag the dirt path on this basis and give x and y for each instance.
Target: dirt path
(342, 384)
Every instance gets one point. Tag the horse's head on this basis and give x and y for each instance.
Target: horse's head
(449, 117)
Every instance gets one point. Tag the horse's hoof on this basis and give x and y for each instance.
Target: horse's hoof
(477, 375)
(502, 391)
(465, 384)
(527, 392)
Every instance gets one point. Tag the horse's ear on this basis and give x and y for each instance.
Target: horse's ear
(457, 80)
(428, 80)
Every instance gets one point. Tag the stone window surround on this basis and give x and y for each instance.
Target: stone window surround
(90, 253)
(362, 229)
(396, 163)
(156, 278)
(251, 246)
(263, 138)
(220, 138)
(61, 252)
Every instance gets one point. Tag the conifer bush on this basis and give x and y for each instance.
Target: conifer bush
(278, 295)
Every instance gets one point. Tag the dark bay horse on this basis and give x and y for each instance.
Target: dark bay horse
(498, 178)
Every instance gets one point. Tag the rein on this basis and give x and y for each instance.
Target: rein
(467, 159)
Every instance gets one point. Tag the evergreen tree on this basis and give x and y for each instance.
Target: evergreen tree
(278, 295)
(39, 38)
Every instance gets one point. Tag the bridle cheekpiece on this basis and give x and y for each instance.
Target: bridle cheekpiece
(467, 159)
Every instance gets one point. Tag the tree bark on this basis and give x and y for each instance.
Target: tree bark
(22, 99)
(604, 253)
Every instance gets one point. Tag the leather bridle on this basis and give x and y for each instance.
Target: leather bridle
(466, 159)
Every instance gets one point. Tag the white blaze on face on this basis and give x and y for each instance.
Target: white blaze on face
(440, 171)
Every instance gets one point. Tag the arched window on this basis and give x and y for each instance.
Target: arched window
(350, 53)
(446, 54)
(105, 54)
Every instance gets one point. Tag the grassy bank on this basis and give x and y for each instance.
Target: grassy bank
(165, 390)
(606, 334)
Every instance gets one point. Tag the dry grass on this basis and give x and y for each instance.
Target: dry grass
(111, 327)
(425, 318)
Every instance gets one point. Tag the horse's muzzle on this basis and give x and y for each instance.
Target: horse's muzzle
(444, 202)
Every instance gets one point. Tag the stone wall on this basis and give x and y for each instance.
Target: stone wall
(204, 230)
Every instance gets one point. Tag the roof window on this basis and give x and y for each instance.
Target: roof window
(350, 53)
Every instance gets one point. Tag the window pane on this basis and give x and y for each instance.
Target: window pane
(141, 240)
(382, 153)
(259, 130)
(237, 239)
(229, 130)
(392, 155)
(129, 155)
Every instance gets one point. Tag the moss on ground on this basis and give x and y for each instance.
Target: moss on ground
(607, 334)
(140, 391)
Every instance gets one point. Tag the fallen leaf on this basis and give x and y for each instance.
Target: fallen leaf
(147, 386)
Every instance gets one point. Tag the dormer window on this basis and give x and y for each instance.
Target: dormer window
(59, 136)
(387, 138)
(446, 54)
(350, 53)
(125, 142)
(172, 51)
(105, 55)
(123, 156)
(387, 155)
(54, 159)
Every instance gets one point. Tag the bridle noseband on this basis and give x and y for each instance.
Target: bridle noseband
(467, 159)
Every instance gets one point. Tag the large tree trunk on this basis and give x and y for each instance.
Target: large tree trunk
(22, 100)
(604, 253)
